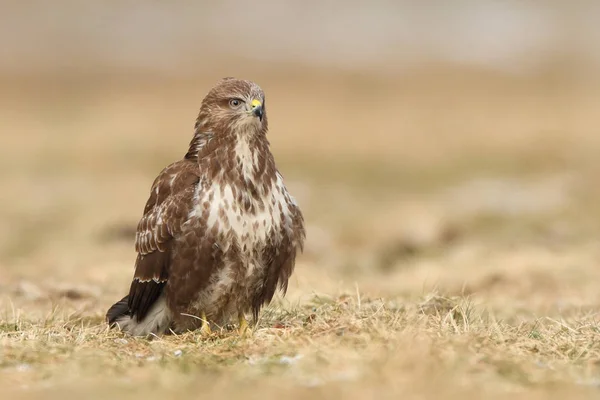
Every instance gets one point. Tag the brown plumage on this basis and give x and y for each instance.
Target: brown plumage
(220, 231)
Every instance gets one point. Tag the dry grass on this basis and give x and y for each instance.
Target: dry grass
(343, 345)
(452, 252)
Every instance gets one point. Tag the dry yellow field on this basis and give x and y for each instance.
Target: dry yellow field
(452, 219)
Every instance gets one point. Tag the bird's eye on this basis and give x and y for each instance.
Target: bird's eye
(235, 103)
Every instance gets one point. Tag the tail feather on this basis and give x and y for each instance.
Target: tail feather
(119, 309)
(157, 320)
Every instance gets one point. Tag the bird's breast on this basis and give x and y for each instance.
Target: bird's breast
(247, 219)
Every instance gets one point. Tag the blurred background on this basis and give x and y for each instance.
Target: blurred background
(449, 145)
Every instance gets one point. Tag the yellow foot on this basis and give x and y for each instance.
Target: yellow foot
(243, 325)
(205, 329)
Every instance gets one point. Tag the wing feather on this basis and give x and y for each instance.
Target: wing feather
(280, 258)
(167, 209)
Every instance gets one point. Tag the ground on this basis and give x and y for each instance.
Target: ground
(452, 220)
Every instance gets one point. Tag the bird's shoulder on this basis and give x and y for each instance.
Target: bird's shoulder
(168, 206)
(173, 179)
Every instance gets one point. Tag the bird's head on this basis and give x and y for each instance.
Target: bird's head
(233, 106)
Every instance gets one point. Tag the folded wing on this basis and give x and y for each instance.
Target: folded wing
(167, 209)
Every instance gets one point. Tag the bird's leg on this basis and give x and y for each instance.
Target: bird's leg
(243, 324)
(205, 329)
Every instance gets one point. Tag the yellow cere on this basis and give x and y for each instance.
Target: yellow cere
(256, 103)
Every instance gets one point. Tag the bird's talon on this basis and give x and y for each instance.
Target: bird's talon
(243, 329)
(205, 329)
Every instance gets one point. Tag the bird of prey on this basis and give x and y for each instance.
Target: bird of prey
(220, 231)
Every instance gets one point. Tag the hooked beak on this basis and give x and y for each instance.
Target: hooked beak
(257, 109)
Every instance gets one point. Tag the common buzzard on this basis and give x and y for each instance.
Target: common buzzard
(220, 231)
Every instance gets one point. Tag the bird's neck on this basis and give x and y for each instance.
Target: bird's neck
(235, 158)
(198, 142)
